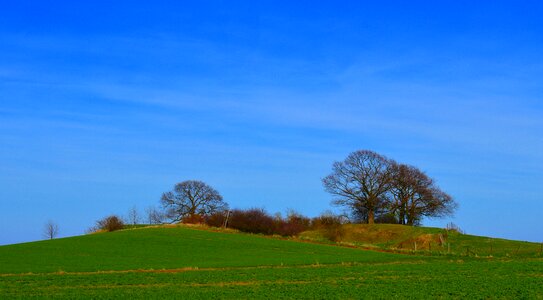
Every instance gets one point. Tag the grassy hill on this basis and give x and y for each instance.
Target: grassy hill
(185, 262)
(436, 241)
(168, 248)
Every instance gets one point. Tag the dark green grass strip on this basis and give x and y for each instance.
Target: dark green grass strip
(436, 279)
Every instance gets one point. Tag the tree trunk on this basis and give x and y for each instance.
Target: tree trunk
(413, 215)
(404, 211)
(371, 217)
(411, 219)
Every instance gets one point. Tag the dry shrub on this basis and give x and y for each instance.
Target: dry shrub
(325, 220)
(252, 220)
(216, 219)
(259, 221)
(193, 219)
(294, 224)
(110, 223)
(331, 226)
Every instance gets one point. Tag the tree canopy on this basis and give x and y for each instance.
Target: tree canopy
(361, 182)
(190, 198)
(375, 187)
(415, 195)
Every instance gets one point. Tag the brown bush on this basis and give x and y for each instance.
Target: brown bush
(325, 220)
(193, 219)
(285, 228)
(110, 223)
(296, 218)
(251, 220)
(259, 221)
(216, 219)
(294, 224)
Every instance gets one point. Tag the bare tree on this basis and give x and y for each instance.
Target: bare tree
(133, 216)
(361, 182)
(50, 230)
(190, 198)
(378, 189)
(409, 183)
(415, 195)
(154, 216)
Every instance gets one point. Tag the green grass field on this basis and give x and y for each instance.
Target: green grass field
(184, 262)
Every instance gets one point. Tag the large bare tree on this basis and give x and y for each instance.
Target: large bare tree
(190, 198)
(50, 230)
(361, 182)
(415, 196)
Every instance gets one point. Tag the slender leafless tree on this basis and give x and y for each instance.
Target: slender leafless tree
(50, 230)
(361, 182)
(133, 216)
(190, 198)
(154, 216)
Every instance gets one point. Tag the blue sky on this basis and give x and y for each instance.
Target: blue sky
(105, 106)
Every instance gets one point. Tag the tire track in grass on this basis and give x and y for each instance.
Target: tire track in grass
(196, 269)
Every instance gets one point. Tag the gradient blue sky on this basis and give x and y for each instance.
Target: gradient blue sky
(104, 106)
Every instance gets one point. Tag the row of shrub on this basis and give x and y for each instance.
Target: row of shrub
(259, 221)
(252, 221)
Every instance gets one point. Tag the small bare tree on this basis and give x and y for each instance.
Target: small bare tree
(50, 230)
(133, 216)
(154, 216)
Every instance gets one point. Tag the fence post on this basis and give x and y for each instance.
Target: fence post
(226, 220)
(415, 246)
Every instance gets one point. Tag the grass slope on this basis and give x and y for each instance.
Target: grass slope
(434, 240)
(170, 248)
(186, 263)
